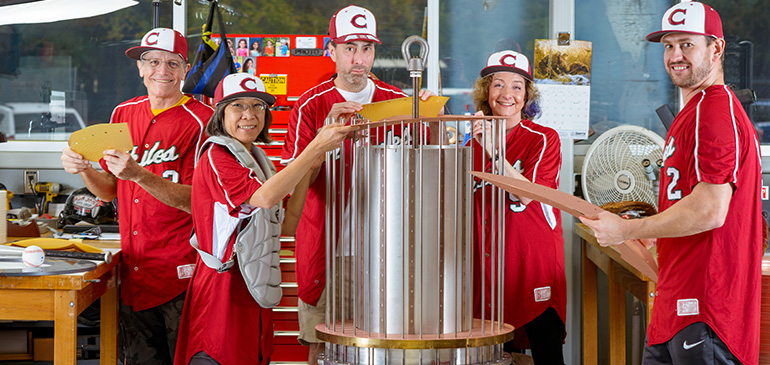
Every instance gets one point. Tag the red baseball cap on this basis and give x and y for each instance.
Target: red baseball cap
(160, 39)
(241, 85)
(689, 17)
(353, 23)
(508, 61)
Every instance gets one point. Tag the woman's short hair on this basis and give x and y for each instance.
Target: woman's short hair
(216, 126)
(480, 95)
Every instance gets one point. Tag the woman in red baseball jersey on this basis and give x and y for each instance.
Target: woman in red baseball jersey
(221, 319)
(534, 290)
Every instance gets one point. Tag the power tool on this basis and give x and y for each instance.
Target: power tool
(50, 189)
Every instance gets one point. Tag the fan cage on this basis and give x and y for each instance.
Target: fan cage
(613, 169)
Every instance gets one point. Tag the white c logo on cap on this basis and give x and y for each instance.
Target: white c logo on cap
(150, 40)
(505, 60)
(677, 22)
(358, 24)
(246, 87)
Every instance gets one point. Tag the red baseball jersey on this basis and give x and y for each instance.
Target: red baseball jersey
(157, 259)
(714, 276)
(220, 316)
(306, 118)
(534, 246)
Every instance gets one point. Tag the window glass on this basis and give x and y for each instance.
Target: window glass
(472, 30)
(629, 80)
(84, 58)
(747, 60)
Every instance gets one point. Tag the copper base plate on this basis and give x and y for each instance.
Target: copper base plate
(350, 336)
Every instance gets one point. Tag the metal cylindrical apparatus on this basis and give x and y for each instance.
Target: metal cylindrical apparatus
(400, 229)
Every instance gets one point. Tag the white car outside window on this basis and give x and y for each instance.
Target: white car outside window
(33, 121)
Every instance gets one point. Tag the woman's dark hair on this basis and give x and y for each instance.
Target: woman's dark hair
(246, 64)
(216, 126)
(480, 95)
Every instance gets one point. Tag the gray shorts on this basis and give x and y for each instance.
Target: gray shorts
(312, 315)
(695, 344)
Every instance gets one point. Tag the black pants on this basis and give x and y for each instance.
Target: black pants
(148, 337)
(695, 344)
(546, 338)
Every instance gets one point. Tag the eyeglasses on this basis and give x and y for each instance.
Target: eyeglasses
(155, 63)
(257, 108)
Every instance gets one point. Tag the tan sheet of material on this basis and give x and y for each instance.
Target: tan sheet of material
(632, 251)
(57, 244)
(91, 141)
(402, 107)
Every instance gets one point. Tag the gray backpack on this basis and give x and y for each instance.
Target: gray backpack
(257, 244)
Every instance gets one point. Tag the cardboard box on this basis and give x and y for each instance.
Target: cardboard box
(42, 349)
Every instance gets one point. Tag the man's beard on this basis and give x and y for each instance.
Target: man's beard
(696, 75)
(358, 82)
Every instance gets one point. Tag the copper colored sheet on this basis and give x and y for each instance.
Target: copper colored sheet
(632, 251)
(403, 107)
(91, 141)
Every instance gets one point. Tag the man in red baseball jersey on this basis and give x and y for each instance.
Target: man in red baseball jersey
(152, 185)
(353, 32)
(709, 228)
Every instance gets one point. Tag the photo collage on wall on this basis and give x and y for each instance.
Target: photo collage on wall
(246, 50)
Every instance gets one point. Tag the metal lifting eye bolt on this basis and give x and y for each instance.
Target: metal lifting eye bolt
(415, 66)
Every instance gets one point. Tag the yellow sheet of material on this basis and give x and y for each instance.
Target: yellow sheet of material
(92, 141)
(57, 244)
(402, 106)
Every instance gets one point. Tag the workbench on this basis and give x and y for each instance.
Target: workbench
(61, 298)
(622, 278)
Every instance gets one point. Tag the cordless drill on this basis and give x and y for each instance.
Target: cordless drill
(51, 190)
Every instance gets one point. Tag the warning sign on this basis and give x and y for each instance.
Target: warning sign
(274, 83)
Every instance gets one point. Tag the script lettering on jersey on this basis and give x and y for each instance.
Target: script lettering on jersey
(155, 155)
(669, 150)
(514, 204)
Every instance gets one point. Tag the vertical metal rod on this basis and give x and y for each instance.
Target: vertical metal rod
(504, 159)
(156, 13)
(470, 249)
(438, 241)
(383, 235)
(354, 232)
(419, 132)
(494, 195)
(455, 197)
(501, 219)
(342, 228)
(367, 236)
(483, 229)
(327, 226)
(405, 242)
(331, 289)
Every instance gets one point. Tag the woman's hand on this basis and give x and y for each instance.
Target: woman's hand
(330, 136)
(483, 128)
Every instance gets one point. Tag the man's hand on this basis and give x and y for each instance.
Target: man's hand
(343, 110)
(73, 162)
(123, 166)
(609, 229)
